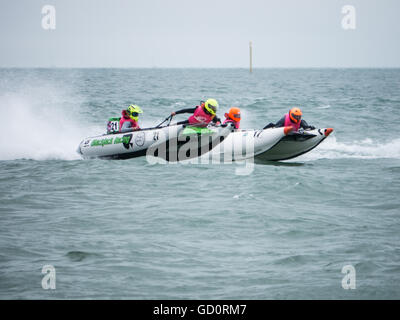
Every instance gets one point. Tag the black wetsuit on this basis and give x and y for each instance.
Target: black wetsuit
(281, 123)
(192, 110)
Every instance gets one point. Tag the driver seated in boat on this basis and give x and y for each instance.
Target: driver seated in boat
(233, 116)
(130, 118)
(202, 114)
(293, 119)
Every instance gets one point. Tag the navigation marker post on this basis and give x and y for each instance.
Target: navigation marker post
(251, 56)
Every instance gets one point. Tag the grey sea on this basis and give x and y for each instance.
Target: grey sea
(325, 225)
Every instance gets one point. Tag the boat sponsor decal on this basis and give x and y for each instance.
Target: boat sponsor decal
(86, 143)
(125, 140)
(140, 139)
(101, 142)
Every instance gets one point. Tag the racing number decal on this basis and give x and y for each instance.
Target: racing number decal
(114, 126)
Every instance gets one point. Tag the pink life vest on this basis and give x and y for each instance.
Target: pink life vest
(126, 118)
(288, 122)
(200, 117)
(236, 123)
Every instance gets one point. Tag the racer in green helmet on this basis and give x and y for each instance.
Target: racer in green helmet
(130, 118)
(202, 115)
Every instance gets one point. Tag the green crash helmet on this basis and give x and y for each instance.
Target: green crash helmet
(133, 112)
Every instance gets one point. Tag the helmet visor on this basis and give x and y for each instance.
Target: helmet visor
(296, 116)
(236, 115)
(212, 109)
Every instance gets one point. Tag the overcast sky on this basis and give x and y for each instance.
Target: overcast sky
(201, 33)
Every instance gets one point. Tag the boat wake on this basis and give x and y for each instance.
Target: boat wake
(365, 149)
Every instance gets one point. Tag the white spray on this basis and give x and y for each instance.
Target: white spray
(365, 149)
(40, 131)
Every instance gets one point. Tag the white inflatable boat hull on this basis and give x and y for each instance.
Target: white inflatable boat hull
(294, 145)
(245, 144)
(171, 143)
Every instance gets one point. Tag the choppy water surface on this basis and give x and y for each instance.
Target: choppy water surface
(128, 229)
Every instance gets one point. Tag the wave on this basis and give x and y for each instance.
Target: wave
(364, 149)
(40, 131)
(324, 106)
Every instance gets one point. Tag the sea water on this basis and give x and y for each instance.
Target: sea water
(127, 229)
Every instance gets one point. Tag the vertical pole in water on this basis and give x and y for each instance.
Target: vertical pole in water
(251, 56)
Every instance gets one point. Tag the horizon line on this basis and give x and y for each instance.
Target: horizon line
(246, 68)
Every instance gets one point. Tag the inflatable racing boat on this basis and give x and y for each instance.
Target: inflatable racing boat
(179, 142)
(172, 142)
(272, 144)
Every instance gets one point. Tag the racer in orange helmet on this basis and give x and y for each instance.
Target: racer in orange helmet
(233, 116)
(292, 118)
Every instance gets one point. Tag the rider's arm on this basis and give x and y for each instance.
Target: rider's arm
(280, 123)
(216, 120)
(269, 125)
(188, 110)
(305, 125)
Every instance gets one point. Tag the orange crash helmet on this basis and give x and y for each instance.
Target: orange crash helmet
(295, 115)
(234, 114)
